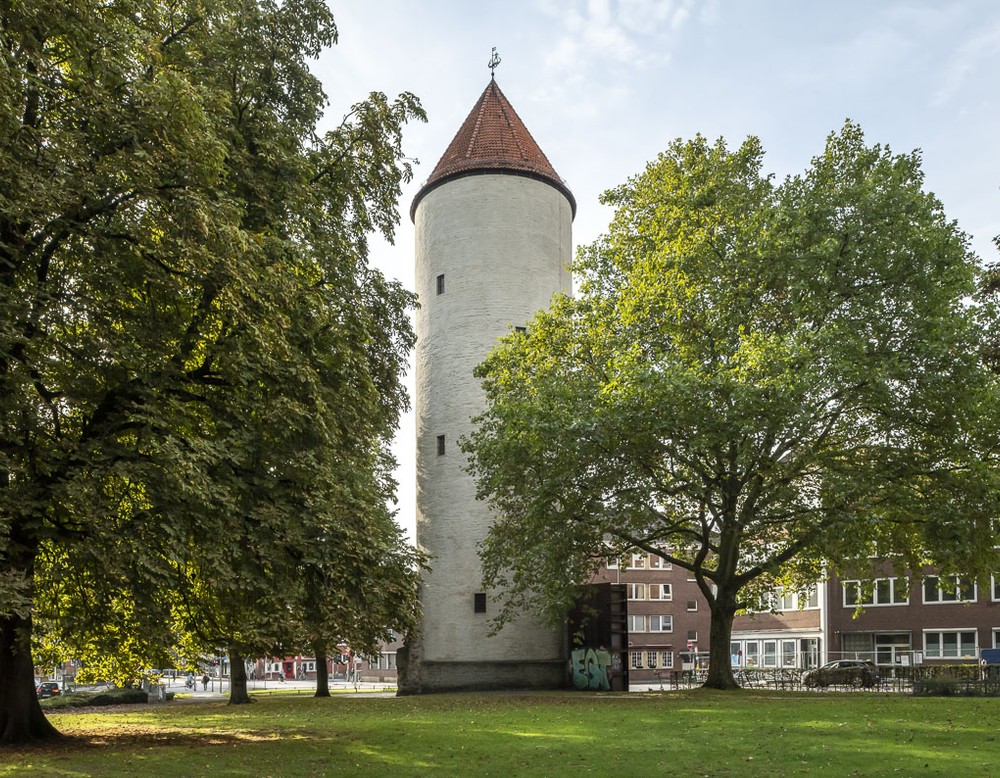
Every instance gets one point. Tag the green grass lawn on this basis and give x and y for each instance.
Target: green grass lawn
(696, 733)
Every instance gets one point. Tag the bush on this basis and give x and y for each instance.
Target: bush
(952, 687)
(88, 699)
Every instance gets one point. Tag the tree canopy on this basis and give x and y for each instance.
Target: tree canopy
(756, 380)
(199, 373)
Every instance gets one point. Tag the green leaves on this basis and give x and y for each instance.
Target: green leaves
(754, 377)
(199, 373)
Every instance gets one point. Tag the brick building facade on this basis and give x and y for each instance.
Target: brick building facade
(902, 620)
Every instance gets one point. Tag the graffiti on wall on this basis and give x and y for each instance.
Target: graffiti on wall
(590, 668)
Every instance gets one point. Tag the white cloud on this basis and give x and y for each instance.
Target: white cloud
(978, 56)
(597, 34)
(642, 16)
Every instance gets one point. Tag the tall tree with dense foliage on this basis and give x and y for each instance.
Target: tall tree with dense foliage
(755, 379)
(184, 300)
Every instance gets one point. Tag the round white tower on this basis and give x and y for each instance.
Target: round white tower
(493, 244)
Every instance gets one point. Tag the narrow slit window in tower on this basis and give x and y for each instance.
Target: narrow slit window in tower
(479, 602)
(440, 444)
(440, 284)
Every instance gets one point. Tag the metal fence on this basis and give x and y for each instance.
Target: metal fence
(894, 679)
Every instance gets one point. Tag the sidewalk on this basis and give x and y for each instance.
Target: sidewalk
(215, 689)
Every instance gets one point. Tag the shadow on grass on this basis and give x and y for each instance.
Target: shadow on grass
(696, 733)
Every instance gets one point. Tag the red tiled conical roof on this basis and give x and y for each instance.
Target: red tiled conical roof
(493, 139)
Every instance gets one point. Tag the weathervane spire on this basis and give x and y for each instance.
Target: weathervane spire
(494, 62)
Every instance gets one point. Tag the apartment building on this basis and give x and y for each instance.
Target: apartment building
(894, 620)
(668, 619)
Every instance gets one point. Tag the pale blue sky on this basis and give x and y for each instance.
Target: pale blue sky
(605, 85)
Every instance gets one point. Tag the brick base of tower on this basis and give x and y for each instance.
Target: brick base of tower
(417, 675)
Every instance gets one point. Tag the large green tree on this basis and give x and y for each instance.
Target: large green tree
(756, 378)
(184, 299)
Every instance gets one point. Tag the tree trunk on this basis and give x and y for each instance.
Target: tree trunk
(322, 671)
(238, 694)
(21, 717)
(720, 668)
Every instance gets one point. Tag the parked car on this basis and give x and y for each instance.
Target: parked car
(850, 672)
(47, 689)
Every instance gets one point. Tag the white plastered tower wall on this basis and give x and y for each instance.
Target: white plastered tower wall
(492, 248)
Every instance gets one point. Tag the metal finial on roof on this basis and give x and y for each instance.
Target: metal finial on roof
(494, 61)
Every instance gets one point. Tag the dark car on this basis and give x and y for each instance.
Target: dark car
(47, 689)
(848, 672)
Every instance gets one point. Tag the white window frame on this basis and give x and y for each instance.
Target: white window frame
(637, 562)
(664, 592)
(936, 650)
(611, 563)
(636, 624)
(942, 595)
(651, 657)
(896, 586)
(658, 563)
(692, 606)
(659, 620)
(995, 587)
(788, 659)
(635, 660)
(667, 660)
(637, 592)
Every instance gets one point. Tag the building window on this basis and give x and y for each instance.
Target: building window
(661, 623)
(611, 563)
(636, 623)
(667, 659)
(635, 659)
(440, 445)
(995, 581)
(651, 660)
(479, 602)
(996, 638)
(637, 562)
(692, 606)
(692, 636)
(809, 598)
(661, 592)
(521, 330)
(881, 591)
(950, 644)
(770, 653)
(656, 563)
(636, 591)
(752, 655)
(440, 284)
(788, 653)
(958, 590)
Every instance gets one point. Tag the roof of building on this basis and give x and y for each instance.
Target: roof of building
(493, 139)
